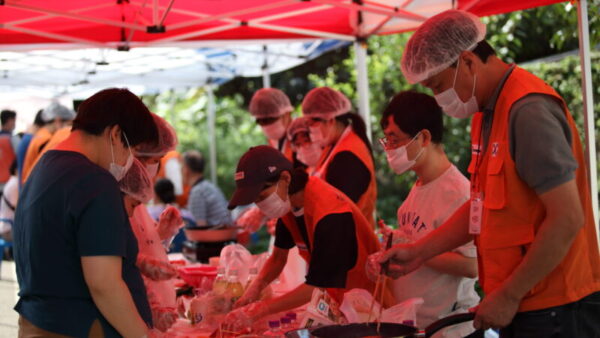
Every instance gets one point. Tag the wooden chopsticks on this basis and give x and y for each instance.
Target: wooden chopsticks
(380, 285)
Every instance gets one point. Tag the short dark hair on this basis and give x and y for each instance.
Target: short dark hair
(7, 115)
(165, 190)
(194, 161)
(38, 121)
(484, 50)
(116, 106)
(13, 168)
(413, 112)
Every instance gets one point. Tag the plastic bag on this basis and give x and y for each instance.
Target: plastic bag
(357, 303)
(236, 256)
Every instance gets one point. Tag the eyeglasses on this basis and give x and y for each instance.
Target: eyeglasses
(393, 143)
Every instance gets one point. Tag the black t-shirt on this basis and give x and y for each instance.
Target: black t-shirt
(349, 175)
(334, 252)
(70, 208)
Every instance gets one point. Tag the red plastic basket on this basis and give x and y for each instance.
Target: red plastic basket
(194, 274)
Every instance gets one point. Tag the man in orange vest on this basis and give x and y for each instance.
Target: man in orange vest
(530, 210)
(330, 231)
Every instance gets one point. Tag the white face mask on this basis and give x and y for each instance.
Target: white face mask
(452, 104)
(152, 169)
(309, 154)
(398, 158)
(273, 206)
(316, 135)
(275, 130)
(119, 171)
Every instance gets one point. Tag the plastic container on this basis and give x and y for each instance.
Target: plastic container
(234, 286)
(193, 275)
(220, 283)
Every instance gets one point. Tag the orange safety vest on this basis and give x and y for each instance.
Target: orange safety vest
(182, 199)
(37, 144)
(59, 136)
(513, 212)
(7, 157)
(320, 200)
(350, 141)
(287, 148)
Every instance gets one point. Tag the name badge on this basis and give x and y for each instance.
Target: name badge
(476, 213)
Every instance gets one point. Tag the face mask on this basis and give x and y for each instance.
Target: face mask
(274, 131)
(398, 158)
(309, 154)
(452, 105)
(316, 135)
(119, 171)
(152, 169)
(273, 206)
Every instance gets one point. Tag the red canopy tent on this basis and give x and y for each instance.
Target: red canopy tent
(125, 24)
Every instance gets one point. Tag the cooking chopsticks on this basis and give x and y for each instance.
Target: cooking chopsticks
(380, 284)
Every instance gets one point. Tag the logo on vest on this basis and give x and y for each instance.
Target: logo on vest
(495, 148)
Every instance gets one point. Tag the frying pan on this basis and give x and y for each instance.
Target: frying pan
(386, 329)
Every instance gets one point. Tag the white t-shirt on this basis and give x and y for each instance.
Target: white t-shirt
(426, 208)
(173, 173)
(11, 194)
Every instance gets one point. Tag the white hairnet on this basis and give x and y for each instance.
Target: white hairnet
(298, 125)
(326, 103)
(56, 110)
(438, 43)
(137, 182)
(269, 102)
(167, 140)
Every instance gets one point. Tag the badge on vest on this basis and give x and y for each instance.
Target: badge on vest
(476, 213)
(495, 148)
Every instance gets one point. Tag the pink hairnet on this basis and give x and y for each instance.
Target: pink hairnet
(326, 103)
(137, 183)
(269, 102)
(298, 125)
(438, 43)
(167, 140)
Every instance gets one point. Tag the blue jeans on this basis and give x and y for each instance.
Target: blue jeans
(577, 319)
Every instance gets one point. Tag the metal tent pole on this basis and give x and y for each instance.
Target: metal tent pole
(588, 102)
(212, 140)
(266, 77)
(362, 83)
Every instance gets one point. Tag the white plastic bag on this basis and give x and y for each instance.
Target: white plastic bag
(357, 302)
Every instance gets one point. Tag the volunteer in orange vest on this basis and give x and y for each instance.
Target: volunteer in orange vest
(170, 167)
(530, 211)
(56, 116)
(272, 110)
(329, 230)
(7, 150)
(347, 161)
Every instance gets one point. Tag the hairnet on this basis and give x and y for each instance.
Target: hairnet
(137, 183)
(56, 110)
(298, 125)
(167, 140)
(438, 43)
(269, 102)
(326, 103)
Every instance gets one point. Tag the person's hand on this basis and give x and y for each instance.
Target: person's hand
(251, 220)
(373, 267)
(251, 295)
(169, 223)
(241, 319)
(155, 269)
(163, 318)
(403, 258)
(496, 310)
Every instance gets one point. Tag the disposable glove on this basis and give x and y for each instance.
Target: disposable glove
(240, 320)
(169, 223)
(155, 269)
(163, 317)
(252, 219)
